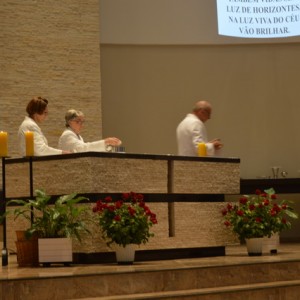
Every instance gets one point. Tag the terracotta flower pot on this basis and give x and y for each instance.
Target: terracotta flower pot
(27, 250)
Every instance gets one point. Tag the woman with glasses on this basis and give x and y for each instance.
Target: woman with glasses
(71, 140)
(37, 111)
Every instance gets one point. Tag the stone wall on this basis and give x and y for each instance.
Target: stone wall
(195, 224)
(118, 173)
(50, 49)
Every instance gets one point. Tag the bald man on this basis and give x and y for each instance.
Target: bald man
(191, 131)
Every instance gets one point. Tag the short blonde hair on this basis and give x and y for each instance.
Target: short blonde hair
(72, 114)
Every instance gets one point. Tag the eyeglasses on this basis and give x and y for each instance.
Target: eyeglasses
(79, 121)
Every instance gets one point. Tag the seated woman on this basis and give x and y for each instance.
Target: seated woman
(37, 113)
(71, 140)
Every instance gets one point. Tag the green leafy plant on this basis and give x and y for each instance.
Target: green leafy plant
(258, 215)
(125, 221)
(64, 218)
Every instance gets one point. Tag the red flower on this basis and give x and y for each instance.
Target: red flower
(146, 209)
(153, 218)
(117, 218)
(119, 204)
(273, 212)
(251, 207)
(224, 211)
(140, 197)
(100, 206)
(104, 206)
(131, 211)
(111, 208)
(258, 192)
(240, 212)
(108, 199)
(243, 200)
(229, 206)
(227, 223)
(125, 196)
(276, 207)
(258, 215)
(142, 204)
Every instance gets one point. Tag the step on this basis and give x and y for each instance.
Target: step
(290, 288)
(201, 278)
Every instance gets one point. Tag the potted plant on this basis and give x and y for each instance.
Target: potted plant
(125, 222)
(55, 223)
(258, 216)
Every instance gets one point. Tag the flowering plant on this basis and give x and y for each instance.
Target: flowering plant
(125, 221)
(259, 215)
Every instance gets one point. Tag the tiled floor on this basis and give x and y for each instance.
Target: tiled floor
(235, 255)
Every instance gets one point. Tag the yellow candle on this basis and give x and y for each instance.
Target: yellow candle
(3, 144)
(29, 143)
(201, 149)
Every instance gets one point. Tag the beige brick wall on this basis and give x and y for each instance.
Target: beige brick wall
(206, 178)
(50, 49)
(196, 224)
(104, 174)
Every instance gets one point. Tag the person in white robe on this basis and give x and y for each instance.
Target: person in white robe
(71, 140)
(191, 131)
(37, 111)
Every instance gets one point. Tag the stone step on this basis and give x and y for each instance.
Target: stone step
(269, 290)
(234, 276)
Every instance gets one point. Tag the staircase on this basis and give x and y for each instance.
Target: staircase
(234, 276)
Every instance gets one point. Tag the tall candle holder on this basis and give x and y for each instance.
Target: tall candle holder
(29, 143)
(3, 144)
(202, 149)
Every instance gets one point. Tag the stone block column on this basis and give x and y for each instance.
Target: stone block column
(50, 49)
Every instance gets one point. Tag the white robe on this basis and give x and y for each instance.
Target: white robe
(190, 132)
(70, 141)
(40, 142)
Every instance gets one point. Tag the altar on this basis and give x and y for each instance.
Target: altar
(186, 193)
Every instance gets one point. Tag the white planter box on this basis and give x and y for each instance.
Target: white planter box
(57, 250)
(125, 255)
(271, 244)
